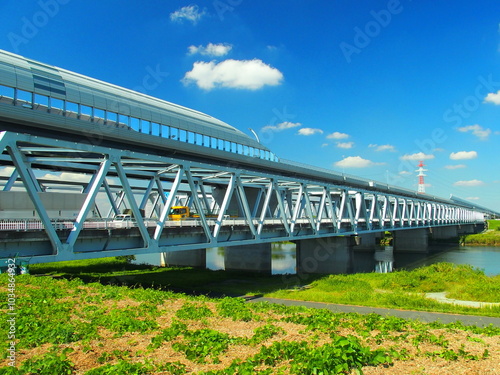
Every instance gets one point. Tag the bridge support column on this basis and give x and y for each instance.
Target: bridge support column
(185, 258)
(368, 241)
(331, 255)
(251, 258)
(470, 229)
(441, 234)
(413, 240)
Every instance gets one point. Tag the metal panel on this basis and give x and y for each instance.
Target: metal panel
(86, 96)
(24, 80)
(72, 93)
(7, 75)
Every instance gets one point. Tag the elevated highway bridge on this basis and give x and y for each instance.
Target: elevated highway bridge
(75, 152)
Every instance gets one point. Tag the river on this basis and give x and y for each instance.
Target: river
(486, 258)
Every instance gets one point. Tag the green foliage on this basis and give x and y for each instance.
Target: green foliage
(265, 332)
(52, 363)
(168, 334)
(124, 367)
(193, 311)
(202, 343)
(236, 309)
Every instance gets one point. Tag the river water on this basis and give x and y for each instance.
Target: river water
(486, 258)
(482, 257)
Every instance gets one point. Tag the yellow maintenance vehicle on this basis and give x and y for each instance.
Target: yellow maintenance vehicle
(181, 212)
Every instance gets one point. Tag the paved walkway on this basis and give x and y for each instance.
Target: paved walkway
(469, 320)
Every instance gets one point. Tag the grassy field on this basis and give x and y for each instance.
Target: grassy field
(71, 327)
(400, 289)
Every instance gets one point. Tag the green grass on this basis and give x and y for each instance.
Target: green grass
(406, 289)
(121, 330)
(490, 237)
(400, 289)
(494, 224)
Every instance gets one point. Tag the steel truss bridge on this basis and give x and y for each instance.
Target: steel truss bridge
(236, 204)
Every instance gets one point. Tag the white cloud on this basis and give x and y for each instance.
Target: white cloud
(379, 148)
(477, 130)
(417, 156)
(469, 183)
(190, 13)
(345, 144)
(405, 173)
(211, 49)
(463, 155)
(281, 126)
(493, 98)
(337, 135)
(355, 162)
(309, 131)
(472, 198)
(458, 166)
(238, 74)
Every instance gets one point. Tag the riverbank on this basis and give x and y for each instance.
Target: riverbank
(490, 237)
(400, 290)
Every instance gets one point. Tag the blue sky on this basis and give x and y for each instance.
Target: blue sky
(368, 88)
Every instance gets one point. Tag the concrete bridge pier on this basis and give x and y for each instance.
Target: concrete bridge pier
(411, 240)
(249, 258)
(470, 228)
(331, 255)
(186, 258)
(441, 234)
(368, 241)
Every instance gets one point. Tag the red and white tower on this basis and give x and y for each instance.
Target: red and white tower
(421, 175)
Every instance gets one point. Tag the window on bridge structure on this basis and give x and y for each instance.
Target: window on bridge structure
(213, 142)
(99, 115)
(206, 141)
(165, 131)
(198, 139)
(56, 104)
(72, 109)
(6, 93)
(111, 118)
(155, 128)
(145, 127)
(220, 144)
(174, 134)
(182, 135)
(191, 138)
(86, 112)
(123, 120)
(239, 149)
(246, 150)
(24, 98)
(134, 123)
(41, 101)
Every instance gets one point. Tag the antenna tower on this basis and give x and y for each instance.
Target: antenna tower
(421, 175)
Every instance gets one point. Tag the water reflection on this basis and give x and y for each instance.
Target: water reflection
(383, 259)
(282, 258)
